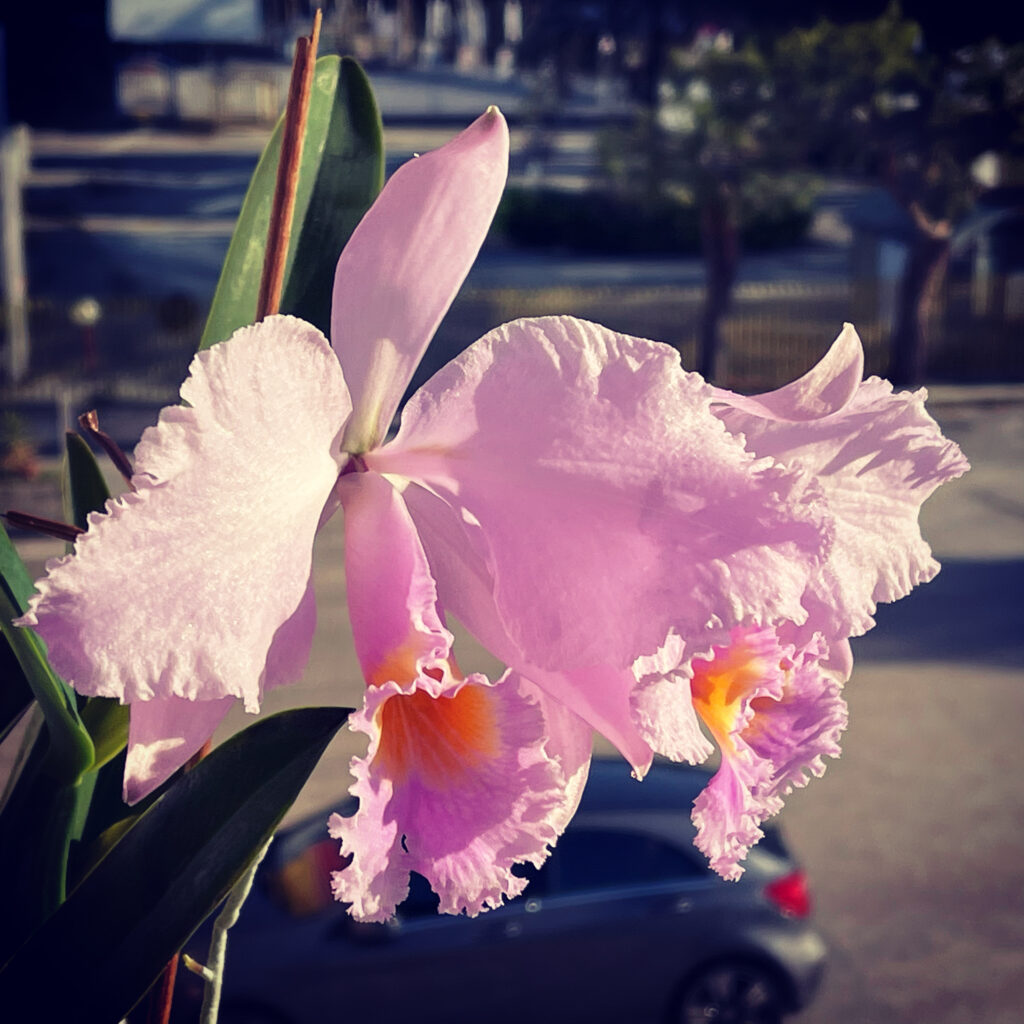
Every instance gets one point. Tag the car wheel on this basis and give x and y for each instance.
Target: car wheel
(731, 992)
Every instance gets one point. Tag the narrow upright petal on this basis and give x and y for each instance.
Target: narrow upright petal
(404, 264)
(179, 588)
(876, 456)
(602, 505)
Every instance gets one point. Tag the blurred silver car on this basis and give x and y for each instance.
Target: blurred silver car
(624, 923)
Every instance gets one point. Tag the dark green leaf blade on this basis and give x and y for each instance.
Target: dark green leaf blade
(71, 749)
(349, 137)
(342, 171)
(88, 489)
(117, 930)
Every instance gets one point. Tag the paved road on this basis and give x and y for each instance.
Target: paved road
(914, 839)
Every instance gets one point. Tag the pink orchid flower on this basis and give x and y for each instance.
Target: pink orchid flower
(770, 697)
(569, 493)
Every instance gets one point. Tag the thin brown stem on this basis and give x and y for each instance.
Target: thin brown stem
(49, 527)
(90, 423)
(296, 112)
(161, 998)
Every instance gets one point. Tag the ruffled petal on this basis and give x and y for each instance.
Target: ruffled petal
(725, 687)
(775, 712)
(876, 456)
(456, 785)
(462, 778)
(663, 704)
(164, 733)
(796, 731)
(180, 587)
(404, 264)
(824, 389)
(601, 502)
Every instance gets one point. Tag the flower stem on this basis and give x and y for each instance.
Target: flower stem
(295, 114)
(219, 940)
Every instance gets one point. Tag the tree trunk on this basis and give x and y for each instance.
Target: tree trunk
(915, 300)
(719, 240)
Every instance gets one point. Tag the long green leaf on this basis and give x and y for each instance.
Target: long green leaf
(342, 171)
(350, 176)
(87, 489)
(113, 935)
(105, 719)
(71, 749)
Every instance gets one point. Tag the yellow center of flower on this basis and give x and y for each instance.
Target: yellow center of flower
(437, 739)
(720, 686)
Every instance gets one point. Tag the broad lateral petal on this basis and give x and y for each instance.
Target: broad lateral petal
(404, 264)
(456, 785)
(877, 458)
(597, 694)
(604, 499)
(163, 734)
(179, 588)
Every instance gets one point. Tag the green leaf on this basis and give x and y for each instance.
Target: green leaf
(15, 693)
(342, 171)
(71, 749)
(88, 490)
(14, 574)
(116, 931)
(107, 723)
(350, 176)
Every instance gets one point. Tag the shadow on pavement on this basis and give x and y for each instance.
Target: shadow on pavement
(972, 611)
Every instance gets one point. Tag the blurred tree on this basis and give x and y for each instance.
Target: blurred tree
(861, 98)
(866, 98)
(712, 136)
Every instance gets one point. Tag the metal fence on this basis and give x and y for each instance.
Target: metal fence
(772, 333)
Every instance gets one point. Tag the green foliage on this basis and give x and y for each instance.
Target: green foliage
(96, 956)
(341, 173)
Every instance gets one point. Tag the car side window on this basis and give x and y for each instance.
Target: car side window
(598, 859)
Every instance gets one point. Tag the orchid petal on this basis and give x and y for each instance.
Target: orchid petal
(163, 734)
(180, 587)
(457, 786)
(824, 389)
(404, 264)
(877, 457)
(396, 627)
(462, 778)
(598, 494)
(775, 712)
(597, 694)
(794, 732)
(725, 687)
(663, 706)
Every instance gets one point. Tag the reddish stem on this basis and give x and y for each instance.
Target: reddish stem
(295, 115)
